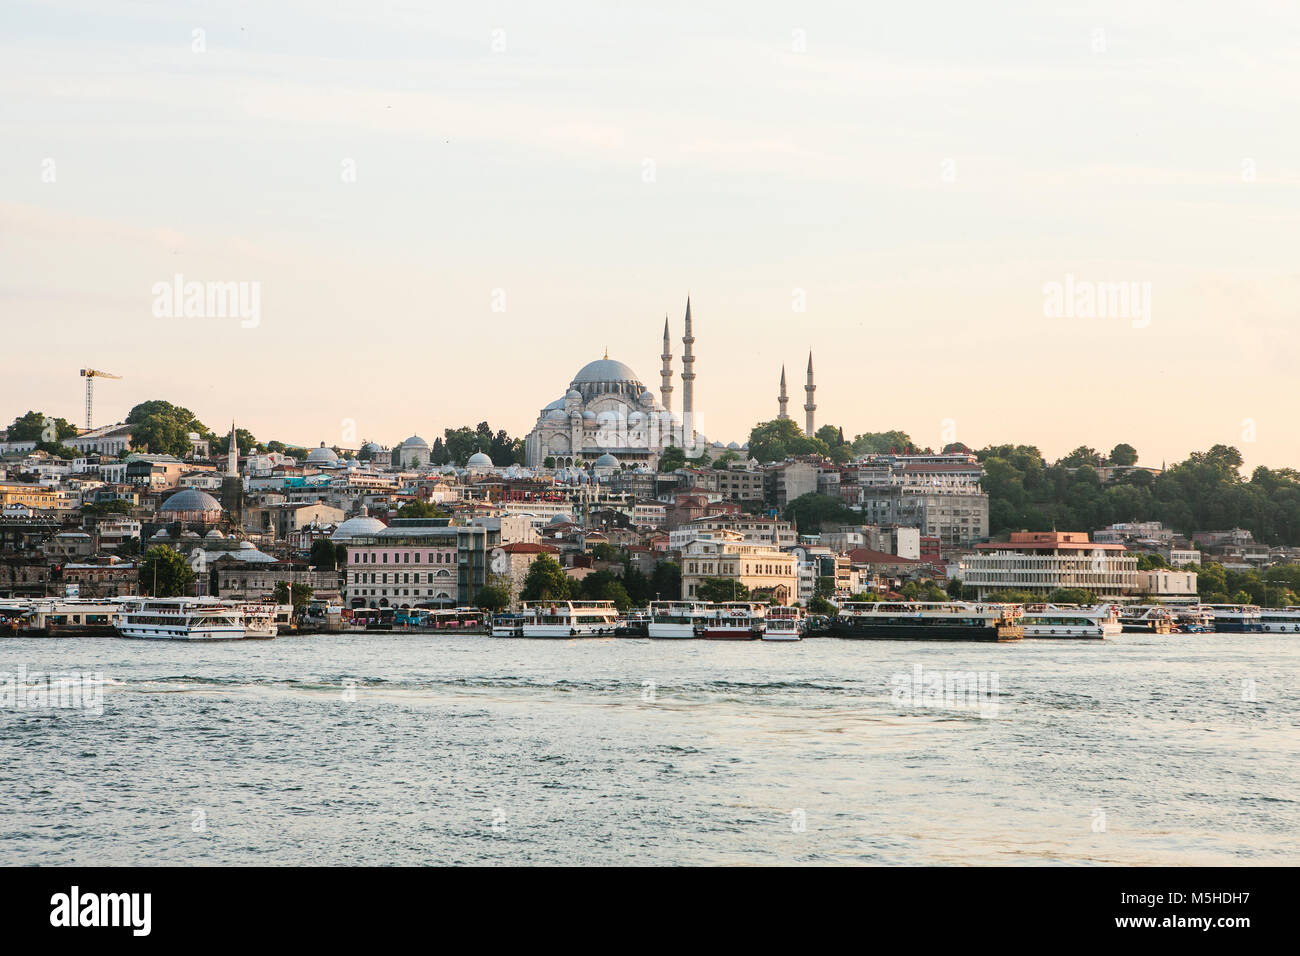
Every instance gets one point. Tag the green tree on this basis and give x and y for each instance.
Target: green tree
(1123, 454)
(720, 590)
(881, 443)
(323, 556)
(671, 459)
(492, 597)
(164, 573)
(549, 462)
(33, 427)
(666, 582)
(1072, 596)
(811, 511)
(545, 581)
(781, 438)
(420, 509)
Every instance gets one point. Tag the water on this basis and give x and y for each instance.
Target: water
(1138, 750)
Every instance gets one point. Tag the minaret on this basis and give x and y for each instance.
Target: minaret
(783, 399)
(666, 373)
(688, 382)
(232, 454)
(810, 406)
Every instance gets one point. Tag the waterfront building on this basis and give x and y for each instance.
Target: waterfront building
(766, 571)
(1042, 561)
(418, 561)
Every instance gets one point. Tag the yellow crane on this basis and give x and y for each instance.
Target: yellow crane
(90, 374)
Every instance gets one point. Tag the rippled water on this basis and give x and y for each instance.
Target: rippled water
(484, 750)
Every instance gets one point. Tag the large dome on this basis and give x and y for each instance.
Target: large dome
(191, 499)
(360, 525)
(322, 455)
(479, 460)
(604, 370)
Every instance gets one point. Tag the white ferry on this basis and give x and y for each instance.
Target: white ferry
(676, 619)
(1068, 620)
(927, 620)
(181, 619)
(568, 618)
(1236, 618)
(734, 621)
(1280, 620)
(783, 624)
(1194, 619)
(261, 620)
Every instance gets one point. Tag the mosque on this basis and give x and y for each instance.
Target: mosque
(608, 416)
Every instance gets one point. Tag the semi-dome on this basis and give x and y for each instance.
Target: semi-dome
(322, 455)
(360, 525)
(479, 460)
(191, 499)
(604, 370)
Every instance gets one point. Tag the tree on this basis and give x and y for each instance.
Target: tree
(164, 573)
(721, 590)
(817, 604)
(163, 428)
(545, 581)
(298, 595)
(672, 459)
(1083, 455)
(549, 462)
(420, 509)
(492, 597)
(1072, 596)
(243, 438)
(881, 443)
(323, 556)
(811, 511)
(781, 438)
(666, 581)
(34, 426)
(1123, 454)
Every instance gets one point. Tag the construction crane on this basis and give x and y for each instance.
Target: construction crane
(90, 374)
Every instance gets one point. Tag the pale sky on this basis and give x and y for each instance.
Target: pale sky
(916, 172)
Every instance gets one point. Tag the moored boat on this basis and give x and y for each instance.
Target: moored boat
(569, 618)
(733, 621)
(783, 624)
(1280, 620)
(676, 619)
(181, 619)
(1146, 619)
(927, 620)
(1236, 618)
(1070, 620)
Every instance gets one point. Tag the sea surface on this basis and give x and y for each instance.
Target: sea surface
(413, 749)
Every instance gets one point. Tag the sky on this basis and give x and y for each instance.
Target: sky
(447, 210)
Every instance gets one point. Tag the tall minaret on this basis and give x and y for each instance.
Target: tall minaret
(783, 399)
(232, 454)
(688, 382)
(810, 406)
(666, 373)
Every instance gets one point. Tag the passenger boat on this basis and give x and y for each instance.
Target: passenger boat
(676, 619)
(261, 620)
(181, 619)
(783, 624)
(1146, 619)
(1194, 619)
(928, 620)
(636, 623)
(1280, 620)
(1236, 618)
(509, 625)
(69, 617)
(734, 621)
(569, 618)
(1070, 620)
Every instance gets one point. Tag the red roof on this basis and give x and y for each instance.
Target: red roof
(520, 547)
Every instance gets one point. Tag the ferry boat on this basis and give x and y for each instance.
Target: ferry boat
(1070, 620)
(69, 617)
(783, 624)
(261, 620)
(636, 623)
(1280, 620)
(733, 621)
(676, 619)
(181, 619)
(569, 618)
(509, 625)
(1194, 619)
(1236, 618)
(1146, 619)
(928, 620)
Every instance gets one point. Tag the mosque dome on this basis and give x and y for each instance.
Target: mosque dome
(322, 456)
(214, 533)
(415, 441)
(189, 500)
(559, 519)
(372, 447)
(572, 393)
(360, 525)
(647, 397)
(556, 415)
(732, 446)
(602, 371)
(479, 460)
(607, 461)
(589, 416)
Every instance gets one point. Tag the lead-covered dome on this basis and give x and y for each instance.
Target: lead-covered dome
(189, 501)
(322, 456)
(603, 371)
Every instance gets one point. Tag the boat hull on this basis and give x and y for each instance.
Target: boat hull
(666, 630)
(927, 632)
